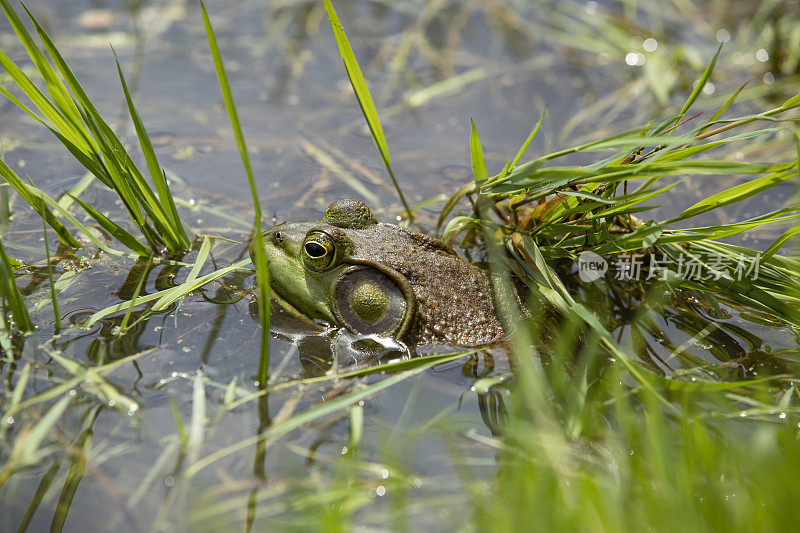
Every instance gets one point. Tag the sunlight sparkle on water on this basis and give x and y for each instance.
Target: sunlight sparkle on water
(762, 55)
(634, 59)
(650, 44)
(381, 490)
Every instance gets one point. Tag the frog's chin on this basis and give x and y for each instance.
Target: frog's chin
(292, 310)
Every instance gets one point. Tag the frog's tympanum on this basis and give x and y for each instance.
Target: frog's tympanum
(351, 271)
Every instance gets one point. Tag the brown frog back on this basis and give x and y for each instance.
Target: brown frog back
(454, 297)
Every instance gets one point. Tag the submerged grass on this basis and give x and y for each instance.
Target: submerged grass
(590, 431)
(13, 303)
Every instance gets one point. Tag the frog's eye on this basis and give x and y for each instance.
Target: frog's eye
(319, 251)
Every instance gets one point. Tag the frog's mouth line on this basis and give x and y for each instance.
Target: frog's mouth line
(289, 307)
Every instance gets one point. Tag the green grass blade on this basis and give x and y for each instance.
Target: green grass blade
(40, 431)
(5, 210)
(779, 242)
(77, 469)
(38, 496)
(735, 194)
(156, 172)
(124, 324)
(51, 112)
(183, 436)
(727, 104)
(528, 140)
(364, 97)
(262, 274)
(467, 188)
(115, 230)
(11, 295)
(82, 228)
(29, 196)
(55, 87)
(700, 85)
(476, 155)
(202, 255)
(53, 295)
(128, 181)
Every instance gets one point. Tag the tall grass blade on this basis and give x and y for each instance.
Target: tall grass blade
(701, 83)
(364, 97)
(156, 172)
(727, 104)
(262, 274)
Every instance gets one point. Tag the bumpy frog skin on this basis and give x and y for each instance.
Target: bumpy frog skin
(351, 271)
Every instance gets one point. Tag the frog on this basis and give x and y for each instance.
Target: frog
(348, 270)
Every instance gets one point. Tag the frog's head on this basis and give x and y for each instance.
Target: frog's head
(315, 274)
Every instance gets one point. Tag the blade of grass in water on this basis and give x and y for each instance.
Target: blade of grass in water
(53, 295)
(156, 172)
(77, 469)
(29, 196)
(114, 229)
(38, 496)
(124, 324)
(260, 263)
(5, 210)
(364, 98)
(11, 295)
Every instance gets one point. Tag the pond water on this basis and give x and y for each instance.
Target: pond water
(188, 374)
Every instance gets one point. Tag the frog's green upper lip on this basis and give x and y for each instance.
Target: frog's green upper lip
(289, 307)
